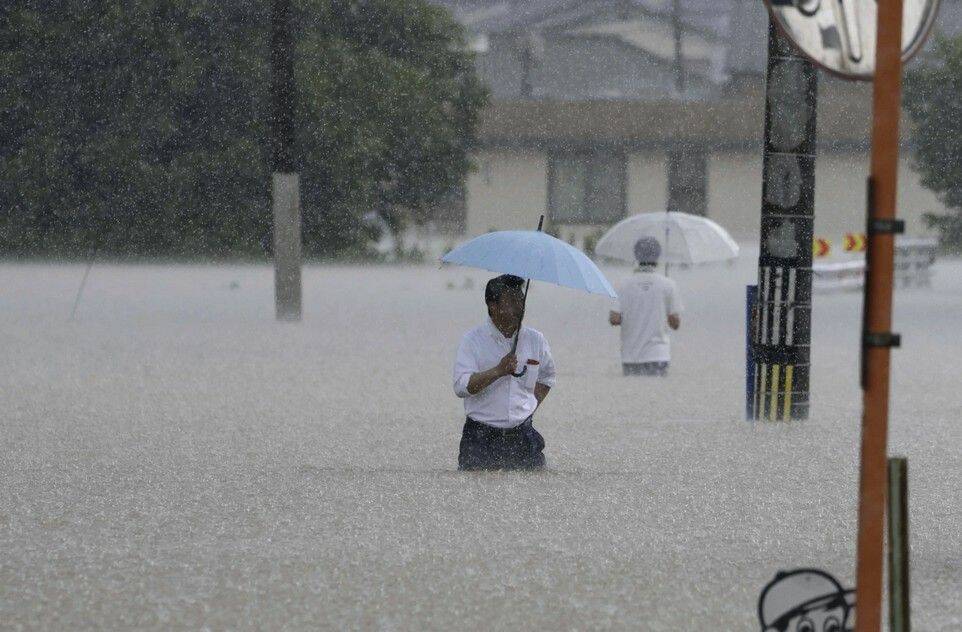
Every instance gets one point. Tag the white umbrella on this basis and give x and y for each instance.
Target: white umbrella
(684, 238)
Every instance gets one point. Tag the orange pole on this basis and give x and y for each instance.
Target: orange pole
(878, 316)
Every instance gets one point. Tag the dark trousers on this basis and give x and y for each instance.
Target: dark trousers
(484, 447)
(659, 369)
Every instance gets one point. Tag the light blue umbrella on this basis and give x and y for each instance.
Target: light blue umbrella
(531, 255)
(534, 255)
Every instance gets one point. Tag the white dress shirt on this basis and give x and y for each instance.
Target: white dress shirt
(507, 401)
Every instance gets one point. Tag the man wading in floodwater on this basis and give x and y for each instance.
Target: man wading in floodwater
(499, 403)
(648, 306)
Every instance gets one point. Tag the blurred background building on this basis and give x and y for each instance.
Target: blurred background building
(605, 108)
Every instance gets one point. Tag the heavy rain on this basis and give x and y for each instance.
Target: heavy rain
(255, 374)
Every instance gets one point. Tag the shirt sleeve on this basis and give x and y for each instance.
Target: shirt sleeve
(673, 301)
(465, 364)
(546, 372)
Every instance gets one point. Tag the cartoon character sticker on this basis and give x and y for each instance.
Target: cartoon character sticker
(805, 600)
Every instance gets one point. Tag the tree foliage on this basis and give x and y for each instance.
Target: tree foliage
(933, 99)
(140, 127)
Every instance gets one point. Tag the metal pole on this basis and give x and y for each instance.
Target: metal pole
(285, 182)
(898, 523)
(751, 297)
(524, 303)
(783, 335)
(679, 53)
(667, 226)
(83, 284)
(877, 337)
(527, 61)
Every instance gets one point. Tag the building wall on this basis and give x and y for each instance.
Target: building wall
(734, 194)
(508, 190)
(646, 191)
(647, 182)
(840, 195)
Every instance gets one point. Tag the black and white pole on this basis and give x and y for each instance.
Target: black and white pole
(285, 183)
(676, 28)
(782, 326)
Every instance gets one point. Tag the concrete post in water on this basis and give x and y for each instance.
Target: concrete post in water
(287, 245)
(782, 333)
(285, 183)
(751, 298)
(898, 513)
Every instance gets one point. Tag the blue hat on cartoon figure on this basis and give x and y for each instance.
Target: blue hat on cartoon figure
(805, 600)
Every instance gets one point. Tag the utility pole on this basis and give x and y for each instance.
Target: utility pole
(285, 182)
(679, 54)
(861, 54)
(877, 336)
(781, 336)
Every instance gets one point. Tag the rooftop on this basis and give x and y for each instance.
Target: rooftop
(739, 26)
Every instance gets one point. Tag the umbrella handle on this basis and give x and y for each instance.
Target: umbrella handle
(517, 334)
(523, 371)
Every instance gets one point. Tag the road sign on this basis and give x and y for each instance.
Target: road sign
(839, 35)
(855, 242)
(821, 247)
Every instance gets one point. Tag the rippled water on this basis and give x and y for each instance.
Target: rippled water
(174, 458)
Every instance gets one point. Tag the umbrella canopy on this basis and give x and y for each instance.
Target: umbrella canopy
(534, 255)
(684, 238)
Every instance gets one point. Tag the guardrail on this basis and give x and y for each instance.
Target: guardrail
(913, 268)
(913, 261)
(838, 277)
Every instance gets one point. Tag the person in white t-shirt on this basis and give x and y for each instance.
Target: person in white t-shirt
(501, 390)
(648, 306)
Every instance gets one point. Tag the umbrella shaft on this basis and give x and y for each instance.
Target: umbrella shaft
(524, 301)
(524, 304)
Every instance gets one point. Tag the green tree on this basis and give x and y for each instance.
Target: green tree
(933, 99)
(139, 127)
(132, 127)
(389, 108)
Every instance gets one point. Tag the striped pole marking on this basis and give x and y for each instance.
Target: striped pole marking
(774, 392)
(790, 319)
(774, 382)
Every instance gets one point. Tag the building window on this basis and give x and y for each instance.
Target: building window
(688, 181)
(586, 188)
